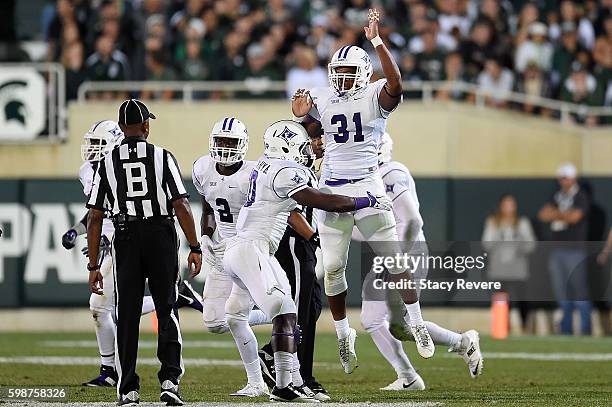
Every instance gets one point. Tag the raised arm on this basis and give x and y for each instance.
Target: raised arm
(391, 93)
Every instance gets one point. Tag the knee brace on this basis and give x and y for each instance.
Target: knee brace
(335, 282)
(373, 315)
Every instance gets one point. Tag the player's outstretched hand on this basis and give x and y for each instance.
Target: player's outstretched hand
(194, 263)
(380, 202)
(301, 103)
(96, 283)
(69, 239)
(371, 31)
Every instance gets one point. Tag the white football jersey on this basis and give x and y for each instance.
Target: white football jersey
(352, 129)
(226, 194)
(398, 180)
(86, 176)
(271, 185)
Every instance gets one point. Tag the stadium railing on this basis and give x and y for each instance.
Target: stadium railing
(425, 91)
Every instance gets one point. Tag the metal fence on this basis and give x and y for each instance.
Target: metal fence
(427, 92)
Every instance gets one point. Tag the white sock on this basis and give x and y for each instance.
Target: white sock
(283, 362)
(295, 372)
(258, 317)
(442, 336)
(147, 305)
(393, 352)
(105, 335)
(414, 314)
(342, 328)
(247, 347)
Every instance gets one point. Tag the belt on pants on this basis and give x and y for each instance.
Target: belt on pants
(341, 181)
(130, 218)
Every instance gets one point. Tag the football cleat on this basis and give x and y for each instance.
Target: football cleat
(348, 357)
(169, 394)
(320, 393)
(188, 297)
(130, 399)
(291, 394)
(252, 390)
(469, 349)
(107, 378)
(403, 384)
(266, 361)
(424, 343)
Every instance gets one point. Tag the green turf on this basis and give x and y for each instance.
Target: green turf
(504, 382)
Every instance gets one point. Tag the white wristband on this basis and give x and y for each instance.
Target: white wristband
(299, 119)
(376, 41)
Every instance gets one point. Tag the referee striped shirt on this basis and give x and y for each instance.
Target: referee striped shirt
(137, 178)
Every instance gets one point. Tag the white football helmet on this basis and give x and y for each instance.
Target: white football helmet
(385, 149)
(350, 56)
(288, 140)
(101, 138)
(228, 142)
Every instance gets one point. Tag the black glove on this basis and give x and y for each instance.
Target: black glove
(314, 240)
(105, 245)
(69, 239)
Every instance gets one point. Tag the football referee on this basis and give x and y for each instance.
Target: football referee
(139, 186)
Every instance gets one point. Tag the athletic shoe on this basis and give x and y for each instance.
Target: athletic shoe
(107, 378)
(320, 393)
(469, 349)
(266, 361)
(348, 357)
(130, 399)
(188, 297)
(310, 393)
(403, 384)
(169, 394)
(400, 330)
(291, 394)
(252, 390)
(424, 343)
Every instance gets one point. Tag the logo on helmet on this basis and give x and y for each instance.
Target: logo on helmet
(287, 134)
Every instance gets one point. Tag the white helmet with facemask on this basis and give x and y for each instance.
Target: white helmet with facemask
(288, 140)
(229, 141)
(101, 138)
(385, 149)
(350, 56)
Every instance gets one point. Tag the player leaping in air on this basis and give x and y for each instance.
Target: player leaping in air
(353, 114)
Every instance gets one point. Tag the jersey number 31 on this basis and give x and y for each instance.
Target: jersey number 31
(342, 135)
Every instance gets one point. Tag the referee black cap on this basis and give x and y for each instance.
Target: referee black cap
(133, 111)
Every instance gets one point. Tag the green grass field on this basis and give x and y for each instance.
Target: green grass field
(507, 379)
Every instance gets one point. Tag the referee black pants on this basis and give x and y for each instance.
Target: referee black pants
(297, 257)
(146, 249)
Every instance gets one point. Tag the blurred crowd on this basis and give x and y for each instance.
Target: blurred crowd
(547, 48)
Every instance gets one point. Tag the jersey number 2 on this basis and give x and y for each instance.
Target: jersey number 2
(225, 215)
(342, 135)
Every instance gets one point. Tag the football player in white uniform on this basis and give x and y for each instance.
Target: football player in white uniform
(101, 138)
(222, 180)
(376, 315)
(353, 113)
(277, 184)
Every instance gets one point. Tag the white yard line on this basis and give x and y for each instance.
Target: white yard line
(141, 344)
(580, 357)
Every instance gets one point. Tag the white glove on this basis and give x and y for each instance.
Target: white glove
(208, 250)
(381, 202)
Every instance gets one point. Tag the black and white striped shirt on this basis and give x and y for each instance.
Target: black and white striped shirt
(137, 178)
